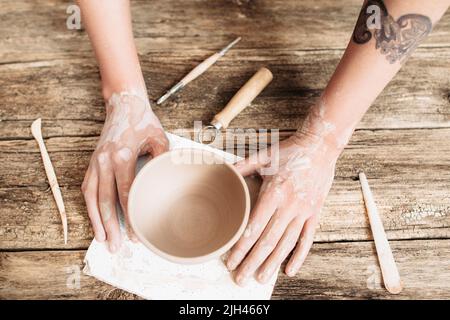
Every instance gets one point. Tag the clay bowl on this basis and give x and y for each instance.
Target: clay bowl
(188, 206)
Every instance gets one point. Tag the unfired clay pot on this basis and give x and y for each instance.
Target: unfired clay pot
(188, 205)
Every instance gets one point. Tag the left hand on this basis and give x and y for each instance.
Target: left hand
(287, 211)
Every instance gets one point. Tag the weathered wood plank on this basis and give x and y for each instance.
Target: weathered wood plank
(385, 152)
(410, 180)
(331, 271)
(46, 275)
(67, 93)
(36, 30)
(48, 71)
(350, 271)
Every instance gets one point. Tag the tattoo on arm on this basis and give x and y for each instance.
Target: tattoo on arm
(396, 39)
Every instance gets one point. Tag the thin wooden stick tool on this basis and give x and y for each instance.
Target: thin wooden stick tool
(51, 176)
(391, 276)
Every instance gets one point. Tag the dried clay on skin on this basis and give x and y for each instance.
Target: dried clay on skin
(302, 178)
(129, 117)
(106, 211)
(131, 129)
(125, 154)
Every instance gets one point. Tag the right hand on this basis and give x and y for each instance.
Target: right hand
(131, 129)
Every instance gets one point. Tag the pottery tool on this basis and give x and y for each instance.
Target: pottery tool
(51, 176)
(197, 71)
(239, 102)
(391, 276)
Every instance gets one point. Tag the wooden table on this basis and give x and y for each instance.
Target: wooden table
(403, 142)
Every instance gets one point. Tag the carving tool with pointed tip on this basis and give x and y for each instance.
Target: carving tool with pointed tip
(391, 276)
(197, 71)
(51, 176)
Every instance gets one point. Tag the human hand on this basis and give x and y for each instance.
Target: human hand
(131, 129)
(291, 197)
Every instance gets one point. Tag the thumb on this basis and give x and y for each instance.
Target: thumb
(253, 163)
(159, 144)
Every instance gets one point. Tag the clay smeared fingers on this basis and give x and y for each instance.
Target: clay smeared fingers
(265, 245)
(125, 166)
(90, 193)
(303, 246)
(284, 247)
(253, 163)
(107, 204)
(155, 142)
(260, 216)
(159, 143)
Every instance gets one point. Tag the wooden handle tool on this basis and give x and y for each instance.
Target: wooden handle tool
(391, 276)
(51, 176)
(239, 102)
(197, 71)
(242, 98)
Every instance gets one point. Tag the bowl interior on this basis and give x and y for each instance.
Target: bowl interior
(188, 204)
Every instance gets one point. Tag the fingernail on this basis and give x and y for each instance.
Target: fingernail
(234, 260)
(100, 237)
(241, 280)
(263, 277)
(231, 264)
(112, 248)
(291, 272)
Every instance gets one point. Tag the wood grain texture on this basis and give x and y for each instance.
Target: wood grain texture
(66, 93)
(351, 271)
(331, 271)
(409, 179)
(300, 41)
(36, 30)
(402, 143)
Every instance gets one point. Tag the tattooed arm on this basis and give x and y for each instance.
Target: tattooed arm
(286, 214)
(131, 128)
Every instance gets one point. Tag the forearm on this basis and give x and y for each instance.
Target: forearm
(131, 128)
(108, 23)
(371, 60)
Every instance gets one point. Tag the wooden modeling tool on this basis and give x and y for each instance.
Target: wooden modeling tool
(51, 176)
(197, 71)
(239, 102)
(391, 276)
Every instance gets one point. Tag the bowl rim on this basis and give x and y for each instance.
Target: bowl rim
(187, 260)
